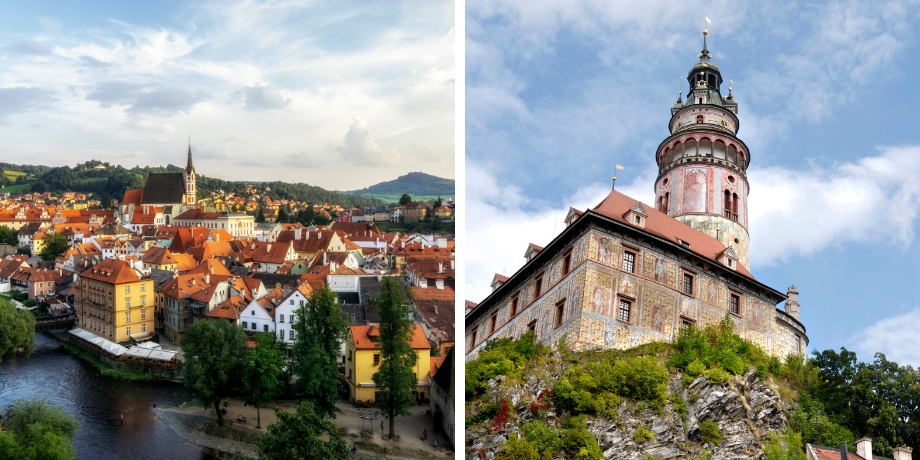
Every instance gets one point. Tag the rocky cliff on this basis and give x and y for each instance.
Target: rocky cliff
(744, 408)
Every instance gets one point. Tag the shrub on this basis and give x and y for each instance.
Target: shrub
(787, 446)
(642, 434)
(499, 357)
(486, 412)
(545, 439)
(680, 406)
(716, 346)
(710, 432)
(717, 375)
(518, 449)
(695, 368)
(597, 386)
(578, 442)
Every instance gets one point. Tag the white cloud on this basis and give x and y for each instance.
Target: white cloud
(261, 98)
(892, 337)
(360, 148)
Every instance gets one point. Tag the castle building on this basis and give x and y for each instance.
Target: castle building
(625, 273)
(169, 194)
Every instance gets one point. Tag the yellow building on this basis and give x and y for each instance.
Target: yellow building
(362, 359)
(115, 302)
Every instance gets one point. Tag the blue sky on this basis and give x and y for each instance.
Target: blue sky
(340, 94)
(559, 92)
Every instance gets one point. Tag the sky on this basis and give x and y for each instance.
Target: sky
(339, 94)
(558, 92)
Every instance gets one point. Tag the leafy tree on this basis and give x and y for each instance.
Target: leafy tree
(438, 203)
(214, 352)
(54, 245)
(282, 215)
(17, 330)
(297, 435)
(262, 372)
(405, 199)
(395, 378)
(8, 236)
(320, 328)
(37, 430)
(786, 446)
(260, 217)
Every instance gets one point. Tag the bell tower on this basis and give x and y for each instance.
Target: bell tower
(191, 192)
(702, 164)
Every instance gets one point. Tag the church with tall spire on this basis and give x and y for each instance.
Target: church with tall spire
(164, 196)
(626, 273)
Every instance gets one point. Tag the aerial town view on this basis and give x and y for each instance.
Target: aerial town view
(227, 233)
(715, 266)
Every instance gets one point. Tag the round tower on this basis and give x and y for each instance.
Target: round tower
(702, 165)
(191, 193)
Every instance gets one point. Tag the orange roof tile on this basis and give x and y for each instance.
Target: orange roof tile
(361, 337)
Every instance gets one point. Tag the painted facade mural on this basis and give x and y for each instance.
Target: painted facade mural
(694, 190)
(600, 301)
(604, 251)
(661, 270)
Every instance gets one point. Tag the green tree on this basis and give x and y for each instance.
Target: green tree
(8, 236)
(297, 435)
(395, 378)
(320, 327)
(786, 446)
(437, 203)
(260, 217)
(214, 352)
(17, 330)
(262, 372)
(405, 199)
(282, 215)
(37, 430)
(54, 245)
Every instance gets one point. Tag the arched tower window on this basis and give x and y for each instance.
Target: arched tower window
(699, 118)
(667, 201)
(728, 204)
(735, 205)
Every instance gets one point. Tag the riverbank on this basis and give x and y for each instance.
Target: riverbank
(105, 369)
(190, 427)
(106, 366)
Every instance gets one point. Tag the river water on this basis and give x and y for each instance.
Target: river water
(51, 373)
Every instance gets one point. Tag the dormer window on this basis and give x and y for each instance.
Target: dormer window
(699, 118)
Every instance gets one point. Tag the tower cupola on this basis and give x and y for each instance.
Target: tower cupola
(191, 190)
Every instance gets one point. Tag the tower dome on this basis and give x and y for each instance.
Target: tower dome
(702, 165)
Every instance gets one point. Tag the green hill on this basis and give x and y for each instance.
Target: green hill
(417, 184)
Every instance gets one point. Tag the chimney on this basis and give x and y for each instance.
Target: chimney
(324, 257)
(439, 284)
(435, 308)
(193, 281)
(297, 233)
(452, 264)
(901, 453)
(268, 248)
(440, 267)
(792, 302)
(864, 448)
(207, 278)
(253, 246)
(287, 289)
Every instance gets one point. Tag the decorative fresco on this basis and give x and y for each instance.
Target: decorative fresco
(628, 288)
(711, 291)
(581, 248)
(661, 270)
(688, 308)
(758, 313)
(604, 251)
(694, 191)
(575, 304)
(600, 301)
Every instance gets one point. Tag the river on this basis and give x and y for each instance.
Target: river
(51, 373)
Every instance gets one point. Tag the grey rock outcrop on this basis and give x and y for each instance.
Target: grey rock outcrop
(744, 408)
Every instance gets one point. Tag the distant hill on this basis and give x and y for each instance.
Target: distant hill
(416, 184)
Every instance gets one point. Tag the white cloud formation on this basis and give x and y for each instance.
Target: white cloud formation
(360, 148)
(260, 98)
(893, 337)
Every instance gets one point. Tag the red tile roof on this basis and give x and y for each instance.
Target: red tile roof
(112, 271)
(361, 337)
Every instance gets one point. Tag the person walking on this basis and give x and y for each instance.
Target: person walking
(122, 419)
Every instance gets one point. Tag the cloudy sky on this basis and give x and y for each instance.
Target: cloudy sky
(559, 92)
(340, 94)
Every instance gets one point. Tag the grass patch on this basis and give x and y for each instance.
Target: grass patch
(17, 188)
(193, 403)
(369, 447)
(107, 370)
(227, 432)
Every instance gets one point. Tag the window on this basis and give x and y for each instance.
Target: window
(735, 304)
(623, 311)
(143, 300)
(629, 261)
(40, 284)
(560, 313)
(349, 355)
(376, 359)
(281, 334)
(128, 330)
(292, 301)
(473, 340)
(492, 322)
(514, 305)
(245, 325)
(688, 284)
(143, 315)
(127, 303)
(127, 317)
(265, 327)
(144, 327)
(282, 319)
(686, 324)
(538, 289)
(567, 263)
(638, 220)
(127, 289)
(143, 287)
(291, 334)
(532, 326)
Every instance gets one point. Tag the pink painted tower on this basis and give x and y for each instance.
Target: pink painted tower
(702, 165)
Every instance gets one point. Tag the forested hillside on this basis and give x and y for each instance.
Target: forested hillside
(112, 182)
(415, 184)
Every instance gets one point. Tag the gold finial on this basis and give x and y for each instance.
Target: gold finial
(705, 32)
(729, 88)
(680, 92)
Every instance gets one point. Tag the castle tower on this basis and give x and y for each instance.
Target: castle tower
(191, 192)
(702, 165)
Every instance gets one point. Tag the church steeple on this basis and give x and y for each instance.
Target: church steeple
(191, 190)
(189, 168)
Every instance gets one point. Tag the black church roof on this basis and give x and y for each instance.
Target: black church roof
(164, 188)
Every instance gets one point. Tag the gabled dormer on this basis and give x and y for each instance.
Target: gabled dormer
(572, 216)
(532, 251)
(497, 281)
(728, 257)
(636, 215)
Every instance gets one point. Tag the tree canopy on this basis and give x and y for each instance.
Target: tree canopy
(8, 236)
(214, 352)
(54, 245)
(395, 378)
(405, 199)
(36, 430)
(320, 328)
(262, 372)
(297, 435)
(17, 330)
